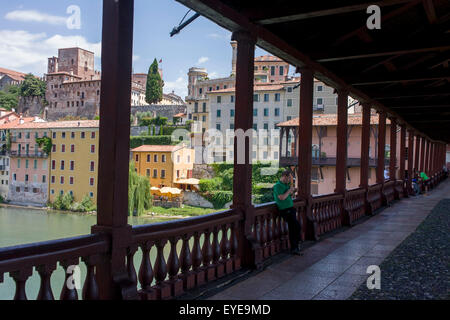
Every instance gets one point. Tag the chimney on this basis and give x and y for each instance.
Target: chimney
(234, 57)
(21, 119)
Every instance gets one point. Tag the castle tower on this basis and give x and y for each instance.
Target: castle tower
(194, 75)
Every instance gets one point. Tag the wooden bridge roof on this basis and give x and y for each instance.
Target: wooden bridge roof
(402, 68)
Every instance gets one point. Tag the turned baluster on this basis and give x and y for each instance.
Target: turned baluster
(224, 243)
(90, 288)
(257, 230)
(146, 271)
(160, 263)
(45, 290)
(173, 262)
(207, 249)
(275, 227)
(269, 227)
(131, 251)
(20, 278)
(196, 253)
(71, 283)
(234, 241)
(215, 246)
(185, 256)
(262, 218)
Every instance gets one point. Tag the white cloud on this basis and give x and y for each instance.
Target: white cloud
(28, 52)
(136, 58)
(213, 75)
(179, 86)
(218, 36)
(35, 16)
(202, 60)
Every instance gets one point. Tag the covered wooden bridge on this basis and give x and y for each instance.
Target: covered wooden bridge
(401, 70)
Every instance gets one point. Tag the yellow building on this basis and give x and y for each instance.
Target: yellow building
(165, 166)
(74, 159)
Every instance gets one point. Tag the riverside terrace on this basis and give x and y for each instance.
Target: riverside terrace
(400, 70)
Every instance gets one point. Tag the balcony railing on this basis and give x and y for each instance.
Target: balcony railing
(17, 154)
(329, 161)
(200, 250)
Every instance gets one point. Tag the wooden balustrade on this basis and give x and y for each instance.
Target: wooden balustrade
(399, 189)
(20, 261)
(208, 251)
(389, 191)
(374, 197)
(327, 212)
(355, 204)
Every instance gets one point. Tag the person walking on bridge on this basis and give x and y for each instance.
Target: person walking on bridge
(282, 192)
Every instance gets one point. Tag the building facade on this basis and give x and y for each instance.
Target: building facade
(164, 166)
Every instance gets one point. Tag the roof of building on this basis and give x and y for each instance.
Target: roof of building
(268, 58)
(63, 73)
(15, 75)
(157, 148)
(331, 120)
(30, 123)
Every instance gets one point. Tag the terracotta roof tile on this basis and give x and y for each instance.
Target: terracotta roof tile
(156, 148)
(268, 58)
(29, 123)
(331, 120)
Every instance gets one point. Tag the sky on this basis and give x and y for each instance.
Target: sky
(32, 31)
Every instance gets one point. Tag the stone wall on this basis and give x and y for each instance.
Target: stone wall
(137, 131)
(160, 110)
(31, 106)
(28, 197)
(196, 200)
(202, 171)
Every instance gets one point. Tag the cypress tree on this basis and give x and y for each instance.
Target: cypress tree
(154, 90)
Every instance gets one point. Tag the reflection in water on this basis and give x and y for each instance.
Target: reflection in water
(22, 226)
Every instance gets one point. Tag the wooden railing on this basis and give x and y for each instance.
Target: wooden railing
(399, 189)
(21, 261)
(209, 247)
(326, 212)
(374, 197)
(389, 191)
(355, 204)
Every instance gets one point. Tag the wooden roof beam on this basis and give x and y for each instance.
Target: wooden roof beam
(429, 10)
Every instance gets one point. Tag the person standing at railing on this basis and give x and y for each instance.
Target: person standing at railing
(425, 179)
(282, 192)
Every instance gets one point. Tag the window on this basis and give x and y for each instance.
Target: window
(26, 164)
(219, 99)
(44, 179)
(62, 180)
(137, 158)
(289, 102)
(14, 177)
(28, 135)
(189, 159)
(62, 164)
(71, 180)
(196, 107)
(256, 97)
(231, 126)
(72, 135)
(178, 174)
(155, 158)
(63, 148)
(204, 118)
(266, 126)
(255, 126)
(72, 148)
(63, 135)
(319, 88)
(289, 89)
(266, 97)
(155, 173)
(232, 99)
(277, 112)
(163, 158)
(92, 148)
(92, 135)
(200, 91)
(36, 135)
(163, 174)
(272, 70)
(219, 113)
(319, 101)
(54, 148)
(204, 106)
(277, 97)
(178, 159)
(281, 70)
(289, 118)
(72, 165)
(52, 192)
(148, 158)
(218, 126)
(91, 194)
(91, 181)
(35, 164)
(148, 172)
(44, 164)
(92, 166)
(255, 112)
(83, 135)
(18, 163)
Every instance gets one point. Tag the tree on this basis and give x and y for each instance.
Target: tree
(32, 87)
(9, 98)
(139, 197)
(154, 90)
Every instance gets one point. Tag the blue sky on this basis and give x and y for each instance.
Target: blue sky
(31, 31)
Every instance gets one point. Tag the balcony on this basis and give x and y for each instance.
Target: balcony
(286, 161)
(16, 154)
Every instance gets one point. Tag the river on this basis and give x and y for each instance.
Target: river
(22, 225)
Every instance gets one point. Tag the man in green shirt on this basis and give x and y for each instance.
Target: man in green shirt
(282, 193)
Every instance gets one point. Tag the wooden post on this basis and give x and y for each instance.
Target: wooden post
(305, 147)
(427, 158)
(365, 142)
(410, 160)
(381, 147)
(341, 151)
(417, 153)
(393, 151)
(422, 155)
(403, 158)
(243, 120)
(114, 148)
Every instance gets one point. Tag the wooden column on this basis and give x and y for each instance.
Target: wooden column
(430, 161)
(427, 157)
(381, 147)
(422, 155)
(417, 153)
(114, 148)
(365, 143)
(410, 160)
(341, 145)
(393, 143)
(243, 120)
(305, 145)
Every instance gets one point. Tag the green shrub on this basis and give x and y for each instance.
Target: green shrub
(210, 185)
(136, 142)
(2, 200)
(219, 198)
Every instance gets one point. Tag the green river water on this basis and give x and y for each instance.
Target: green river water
(22, 225)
